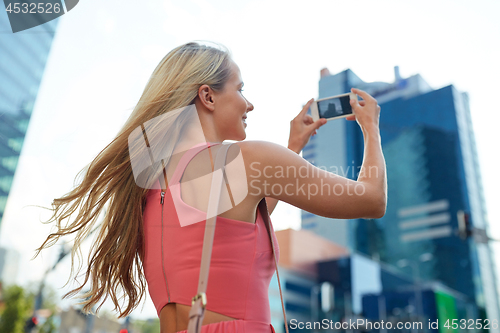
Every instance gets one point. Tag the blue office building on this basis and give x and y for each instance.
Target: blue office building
(297, 289)
(23, 57)
(433, 176)
(366, 295)
(375, 297)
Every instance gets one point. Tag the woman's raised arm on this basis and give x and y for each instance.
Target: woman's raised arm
(277, 172)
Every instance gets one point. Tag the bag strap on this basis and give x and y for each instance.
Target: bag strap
(265, 215)
(197, 311)
(199, 302)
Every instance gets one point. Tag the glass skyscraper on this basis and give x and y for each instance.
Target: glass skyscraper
(432, 174)
(23, 57)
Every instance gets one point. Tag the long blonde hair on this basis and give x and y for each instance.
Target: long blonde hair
(115, 260)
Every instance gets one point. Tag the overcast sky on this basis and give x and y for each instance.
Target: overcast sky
(104, 52)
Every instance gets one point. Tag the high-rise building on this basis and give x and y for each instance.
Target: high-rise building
(9, 265)
(300, 251)
(24, 55)
(433, 177)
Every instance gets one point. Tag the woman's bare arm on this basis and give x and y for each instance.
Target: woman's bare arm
(302, 127)
(279, 173)
(373, 169)
(272, 202)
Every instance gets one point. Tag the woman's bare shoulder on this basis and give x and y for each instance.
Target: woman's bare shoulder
(262, 157)
(259, 150)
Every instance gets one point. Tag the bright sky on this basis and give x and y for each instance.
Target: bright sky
(104, 53)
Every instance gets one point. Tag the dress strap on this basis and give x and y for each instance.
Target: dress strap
(187, 157)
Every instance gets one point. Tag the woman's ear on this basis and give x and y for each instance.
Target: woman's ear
(206, 97)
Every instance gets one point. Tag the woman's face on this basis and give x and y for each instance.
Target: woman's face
(231, 108)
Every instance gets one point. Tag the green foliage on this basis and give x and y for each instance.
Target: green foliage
(17, 310)
(50, 298)
(49, 326)
(148, 326)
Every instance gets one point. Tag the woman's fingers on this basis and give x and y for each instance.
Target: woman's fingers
(354, 104)
(306, 107)
(302, 127)
(362, 93)
(308, 119)
(366, 110)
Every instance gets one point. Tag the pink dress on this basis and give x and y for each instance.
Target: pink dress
(241, 266)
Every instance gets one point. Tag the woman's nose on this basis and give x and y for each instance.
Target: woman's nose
(249, 106)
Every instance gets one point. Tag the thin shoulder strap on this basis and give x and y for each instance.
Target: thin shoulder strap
(188, 156)
(265, 215)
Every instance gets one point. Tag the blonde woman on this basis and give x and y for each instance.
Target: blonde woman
(153, 224)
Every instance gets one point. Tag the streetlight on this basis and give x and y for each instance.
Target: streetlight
(39, 297)
(416, 273)
(65, 250)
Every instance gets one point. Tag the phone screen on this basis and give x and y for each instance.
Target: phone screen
(334, 107)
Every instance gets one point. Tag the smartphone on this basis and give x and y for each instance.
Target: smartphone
(333, 107)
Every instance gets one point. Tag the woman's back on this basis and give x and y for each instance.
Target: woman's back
(195, 180)
(242, 262)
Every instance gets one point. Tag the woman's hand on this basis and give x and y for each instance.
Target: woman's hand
(302, 127)
(366, 112)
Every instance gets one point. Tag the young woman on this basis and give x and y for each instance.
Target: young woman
(154, 221)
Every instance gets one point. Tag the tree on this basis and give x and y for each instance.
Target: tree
(17, 310)
(48, 326)
(49, 302)
(147, 326)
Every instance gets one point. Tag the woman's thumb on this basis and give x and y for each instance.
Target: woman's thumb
(317, 124)
(320, 122)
